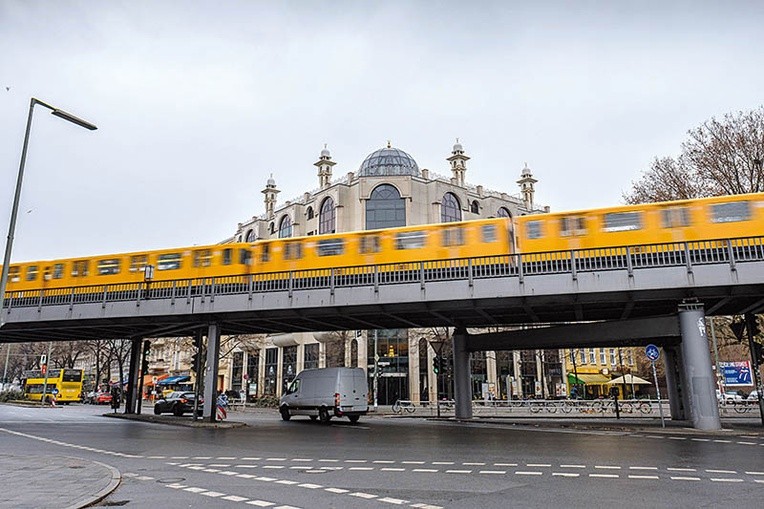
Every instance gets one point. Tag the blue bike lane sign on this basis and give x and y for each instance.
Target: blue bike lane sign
(652, 352)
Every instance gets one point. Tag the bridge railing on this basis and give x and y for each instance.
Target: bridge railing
(628, 258)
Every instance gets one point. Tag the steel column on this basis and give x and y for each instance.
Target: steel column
(462, 375)
(211, 373)
(131, 398)
(700, 382)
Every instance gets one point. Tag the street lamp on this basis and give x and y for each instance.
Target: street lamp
(15, 209)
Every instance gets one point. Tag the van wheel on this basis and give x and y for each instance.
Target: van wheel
(177, 411)
(354, 418)
(285, 413)
(323, 415)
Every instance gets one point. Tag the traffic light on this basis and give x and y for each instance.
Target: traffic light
(436, 365)
(145, 357)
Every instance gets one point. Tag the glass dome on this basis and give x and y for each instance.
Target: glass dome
(388, 161)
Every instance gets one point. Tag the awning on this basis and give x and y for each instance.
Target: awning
(629, 379)
(573, 380)
(174, 380)
(593, 379)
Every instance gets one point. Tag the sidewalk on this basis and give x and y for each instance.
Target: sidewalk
(30, 482)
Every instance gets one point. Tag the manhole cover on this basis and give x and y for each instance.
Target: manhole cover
(76, 466)
(171, 480)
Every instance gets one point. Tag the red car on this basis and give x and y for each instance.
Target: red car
(102, 398)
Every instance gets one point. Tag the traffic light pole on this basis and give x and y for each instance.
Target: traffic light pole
(751, 329)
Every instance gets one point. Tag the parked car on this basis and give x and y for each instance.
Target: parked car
(325, 393)
(728, 397)
(754, 396)
(101, 398)
(178, 403)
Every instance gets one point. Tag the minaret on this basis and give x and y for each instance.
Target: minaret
(526, 186)
(458, 163)
(324, 165)
(270, 193)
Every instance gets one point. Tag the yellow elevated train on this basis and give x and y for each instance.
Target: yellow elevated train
(689, 220)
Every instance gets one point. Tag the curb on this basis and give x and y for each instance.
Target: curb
(175, 421)
(116, 478)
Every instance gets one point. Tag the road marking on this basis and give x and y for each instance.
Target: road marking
(412, 462)
(245, 466)
(250, 459)
(192, 489)
(442, 462)
(677, 438)
(226, 458)
(361, 468)
(538, 465)
(274, 467)
(392, 469)
(144, 478)
(493, 472)
(260, 503)
(301, 459)
(355, 461)
(329, 460)
(675, 469)
(701, 439)
(572, 466)
(643, 468)
(339, 491)
(608, 476)
(213, 494)
(607, 467)
(754, 473)
(458, 471)
(310, 486)
(748, 443)
(723, 441)
(565, 474)
(632, 476)
(361, 494)
(387, 462)
(428, 470)
(679, 478)
(711, 471)
(175, 486)
(521, 472)
(473, 464)
(426, 506)
(726, 479)
(202, 458)
(287, 482)
(246, 476)
(275, 459)
(505, 464)
(389, 500)
(235, 498)
(265, 479)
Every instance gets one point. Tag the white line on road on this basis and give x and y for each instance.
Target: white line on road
(680, 478)
(711, 471)
(565, 474)
(522, 472)
(676, 469)
(643, 468)
(632, 476)
(427, 470)
(608, 476)
(493, 472)
(458, 471)
(725, 479)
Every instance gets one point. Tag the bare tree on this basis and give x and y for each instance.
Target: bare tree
(720, 157)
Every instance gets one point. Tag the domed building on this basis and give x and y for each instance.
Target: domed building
(388, 189)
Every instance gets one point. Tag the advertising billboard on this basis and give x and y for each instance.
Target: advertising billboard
(736, 373)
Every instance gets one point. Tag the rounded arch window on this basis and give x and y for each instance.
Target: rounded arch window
(385, 208)
(250, 236)
(475, 207)
(310, 213)
(285, 227)
(450, 210)
(503, 212)
(327, 217)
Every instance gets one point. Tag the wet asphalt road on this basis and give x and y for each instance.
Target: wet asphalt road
(405, 462)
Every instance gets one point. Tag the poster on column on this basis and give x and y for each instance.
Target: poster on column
(736, 373)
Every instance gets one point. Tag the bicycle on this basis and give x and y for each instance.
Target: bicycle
(403, 405)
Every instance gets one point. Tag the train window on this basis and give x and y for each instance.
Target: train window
(169, 261)
(369, 244)
(265, 255)
(330, 247)
(108, 266)
(572, 225)
(58, 271)
(245, 256)
(227, 256)
(13, 274)
(202, 258)
(32, 271)
(730, 212)
(488, 232)
(410, 240)
(533, 229)
(138, 263)
(292, 250)
(80, 268)
(675, 217)
(623, 221)
(453, 237)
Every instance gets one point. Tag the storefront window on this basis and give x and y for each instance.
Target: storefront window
(271, 366)
(311, 356)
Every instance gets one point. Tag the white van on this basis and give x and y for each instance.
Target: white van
(325, 393)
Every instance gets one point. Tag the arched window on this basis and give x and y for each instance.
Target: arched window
(385, 208)
(475, 207)
(310, 213)
(272, 228)
(327, 217)
(250, 236)
(285, 227)
(449, 209)
(503, 212)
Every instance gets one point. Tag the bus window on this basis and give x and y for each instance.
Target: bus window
(623, 221)
(202, 258)
(108, 266)
(138, 263)
(227, 256)
(730, 212)
(369, 244)
(533, 229)
(572, 225)
(58, 271)
(265, 254)
(488, 233)
(169, 261)
(245, 256)
(330, 247)
(675, 217)
(292, 250)
(80, 268)
(410, 240)
(453, 237)
(14, 274)
(32, 272)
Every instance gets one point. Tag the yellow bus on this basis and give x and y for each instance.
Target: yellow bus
(64, 384)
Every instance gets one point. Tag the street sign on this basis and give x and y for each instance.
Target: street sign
(652, 352)
(43, 359)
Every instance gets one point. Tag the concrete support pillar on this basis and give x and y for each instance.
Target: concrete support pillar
(363, 353)
(671, 364)
(462, 375)
(491, 373)
(131, 398)
(414, 383)
(211, 373)
(432, 378)
(701, 384)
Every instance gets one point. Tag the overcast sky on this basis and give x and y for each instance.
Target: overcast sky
(198, 102)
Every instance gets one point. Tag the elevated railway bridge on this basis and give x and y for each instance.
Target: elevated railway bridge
(625, 296)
